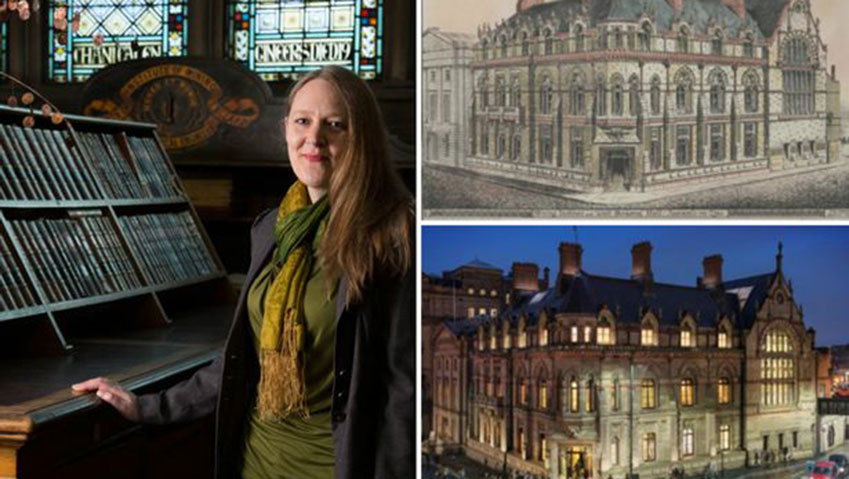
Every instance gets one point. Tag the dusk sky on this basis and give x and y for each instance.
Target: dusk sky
(445, 15)
(815, 257)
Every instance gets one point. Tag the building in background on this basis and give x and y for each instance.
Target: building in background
(447, 84)
(614, 376)
(595, 95)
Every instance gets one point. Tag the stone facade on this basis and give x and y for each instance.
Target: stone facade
(626, 375)
(599, 95)
(446, 83)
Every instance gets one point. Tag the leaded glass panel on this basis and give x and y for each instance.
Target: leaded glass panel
(284, 38)
(112, 31)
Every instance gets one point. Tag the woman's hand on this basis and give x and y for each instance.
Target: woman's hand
(124, 401)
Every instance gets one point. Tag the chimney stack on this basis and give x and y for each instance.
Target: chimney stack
(641, 261)
(525, 277)
(545, 274)
(522, 5)
(677, 6)
(712, 271)
(570, 259)
(739, 6)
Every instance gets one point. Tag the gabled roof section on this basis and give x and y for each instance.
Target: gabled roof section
(476, 263)
(767, 14)
(457, 38)
(751, 293)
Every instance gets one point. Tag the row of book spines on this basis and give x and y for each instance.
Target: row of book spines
(39, 165)
(169, 245)
(15, 292)
(130, 167)
(76, 259)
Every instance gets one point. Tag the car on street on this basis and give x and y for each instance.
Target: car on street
(824, 470)
(842, 464)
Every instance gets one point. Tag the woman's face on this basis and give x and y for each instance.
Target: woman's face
(316, 135)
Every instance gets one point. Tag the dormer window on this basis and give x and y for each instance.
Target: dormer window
(683, 41)
(723, 340)
(648, 336)
(687, 337)
(602, 334)
(716, 44)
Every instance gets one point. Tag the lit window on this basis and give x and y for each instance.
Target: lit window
(590, 402)
(573, 395)
(725, 437)
(543, 394)
(647, 337)
(281, 39)
(647, 394)
(723, 341)
(110, 32)
(574, 334)
(614, 451)
(493, 312)
(649, 447)
(543, 450)
(471, 291)
(493, 341)
(543, 336)
(723, 391)
(603, 335)
(523, 392)
(687, 445)
(588, 332)
(687, 338)
(482, 311)
(688, 392)
(482, 292)
(471, 312)
(507, 339)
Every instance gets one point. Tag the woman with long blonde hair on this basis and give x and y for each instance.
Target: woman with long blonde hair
(317, 376)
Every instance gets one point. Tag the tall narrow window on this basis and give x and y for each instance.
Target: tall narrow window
(634, 97)
(516, 148)
(683, 41)
(503, 42)
(647, 394)
(523, 392)
(579, 38)
(577, 95)
(283, 39)
(716, 44)
(655, 96)
(655, 155)
(687, 442)
(526, 44)
(723, 391)
(548, 42)
(750, 147)
(649, 447)
(614, 451)
(688, 392)
(573, 395)
(717, 92)
(545, 96)
(600, 97)
(590, 402)
(717, 142)
(616, 393)
(617, 98)
(725, 437)
(576, 158)
(543, 394)
(500, 92)
(515, 98)
(687, 340)
(749, 47)
(682, 146)
(111, 32)
(644, 37)
(574, 334)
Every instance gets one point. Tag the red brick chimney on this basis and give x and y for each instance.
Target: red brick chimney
(525, 277)
(641, 261)
(677, 5)
(712, 271)
(545, 274)
(570, 258)
(739, 6)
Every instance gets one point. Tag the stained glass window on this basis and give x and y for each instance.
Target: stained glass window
(112, 31)
(283, 38)
(3, 60)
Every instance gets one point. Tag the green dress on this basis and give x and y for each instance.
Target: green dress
(296, 447)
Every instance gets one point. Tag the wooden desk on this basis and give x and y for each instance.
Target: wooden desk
(46, 431)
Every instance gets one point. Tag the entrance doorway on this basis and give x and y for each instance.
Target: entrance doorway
(576, 462)
(617, 168)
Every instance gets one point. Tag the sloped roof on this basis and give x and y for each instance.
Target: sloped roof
(755, 288)
(458, 38)
(697, 13)
(767, 13)
(476, 263)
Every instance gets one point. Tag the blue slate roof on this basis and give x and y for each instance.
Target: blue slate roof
(760, 287)
(762, 15)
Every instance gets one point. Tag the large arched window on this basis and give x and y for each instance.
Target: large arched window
(799, 76)
(778, 369)
(717, 83)
(684, 91)
(516, 147)
(283, 39)
(111, 32)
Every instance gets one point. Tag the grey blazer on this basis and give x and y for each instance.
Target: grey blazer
(373, 409)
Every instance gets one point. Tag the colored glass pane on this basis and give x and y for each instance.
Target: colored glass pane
(282, 39)
(112, 31)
